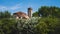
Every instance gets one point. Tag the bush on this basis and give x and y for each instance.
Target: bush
(30, 26)
(47, 25)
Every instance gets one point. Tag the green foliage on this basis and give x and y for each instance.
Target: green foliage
(35, 14)
(27, 26)
(7, 26)
(47, 25)
(49, 11)
(5, 14)
(42, 25)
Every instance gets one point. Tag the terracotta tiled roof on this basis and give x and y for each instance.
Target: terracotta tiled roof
(21, 14)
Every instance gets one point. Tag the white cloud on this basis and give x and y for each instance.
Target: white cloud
(15, 7)
(2, 8)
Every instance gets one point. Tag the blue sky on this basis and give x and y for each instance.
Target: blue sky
(22, 5)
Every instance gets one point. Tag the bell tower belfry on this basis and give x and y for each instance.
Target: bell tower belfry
(30, 12)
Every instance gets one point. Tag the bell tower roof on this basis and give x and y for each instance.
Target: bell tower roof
(30, 8)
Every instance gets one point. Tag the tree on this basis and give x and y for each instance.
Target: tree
(35, 14)
(5, 14)
(1, 15)
(55, 11)
(49, 11)
(44, 11)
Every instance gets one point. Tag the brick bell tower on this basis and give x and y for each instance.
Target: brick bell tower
(30, 12)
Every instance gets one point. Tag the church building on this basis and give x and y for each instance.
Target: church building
(23, 15)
